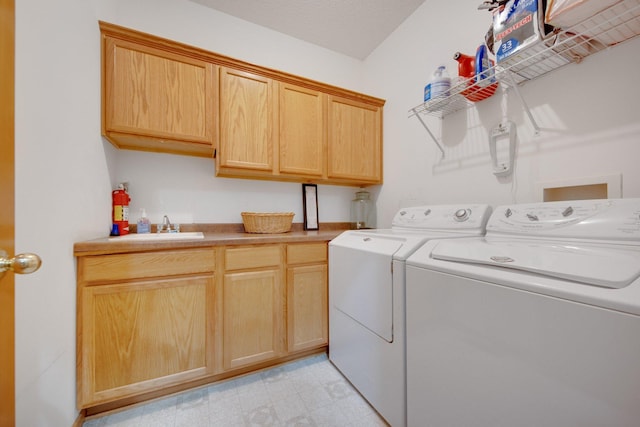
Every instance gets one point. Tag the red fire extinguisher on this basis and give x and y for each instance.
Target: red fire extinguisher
(120, 211)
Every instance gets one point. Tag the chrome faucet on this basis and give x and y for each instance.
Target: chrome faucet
(167, 227)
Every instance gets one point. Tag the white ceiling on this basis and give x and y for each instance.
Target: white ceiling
(352, 27)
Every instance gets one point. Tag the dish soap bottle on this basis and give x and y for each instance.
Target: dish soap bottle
(144, 225)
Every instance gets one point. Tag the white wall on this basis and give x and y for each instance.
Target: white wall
(588, 114)
(62, 191)
(65, 170)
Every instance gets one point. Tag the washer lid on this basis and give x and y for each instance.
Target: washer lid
(607, 266)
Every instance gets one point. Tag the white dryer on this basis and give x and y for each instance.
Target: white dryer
(367, 298)
(535, 324)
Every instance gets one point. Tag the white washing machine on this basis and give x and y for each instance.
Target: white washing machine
(367, 298)
(535, 324)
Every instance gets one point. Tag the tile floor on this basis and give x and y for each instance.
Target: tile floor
(303, 393)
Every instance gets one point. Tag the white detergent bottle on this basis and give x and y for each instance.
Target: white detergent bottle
(440, 83)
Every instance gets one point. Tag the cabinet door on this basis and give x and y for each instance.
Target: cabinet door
(307, 312)
(355, 141)
(253, 317)
(142, 336)
(247, 114)
(156, 100)
(302, 131)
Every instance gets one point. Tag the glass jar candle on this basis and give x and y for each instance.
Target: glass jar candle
(363, 211)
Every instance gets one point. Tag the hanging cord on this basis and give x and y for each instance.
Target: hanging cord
(504, 105)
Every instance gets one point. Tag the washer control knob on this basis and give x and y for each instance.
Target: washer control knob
(461, 215)
(567, 212)
(508, 213)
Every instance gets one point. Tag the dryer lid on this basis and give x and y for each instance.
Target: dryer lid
(396, 244)
(607, 266)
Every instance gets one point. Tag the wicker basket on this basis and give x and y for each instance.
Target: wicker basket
(276, 222)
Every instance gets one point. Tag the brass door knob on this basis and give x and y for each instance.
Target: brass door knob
(20, 264)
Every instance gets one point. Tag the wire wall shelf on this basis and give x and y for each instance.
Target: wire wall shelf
(612, 26)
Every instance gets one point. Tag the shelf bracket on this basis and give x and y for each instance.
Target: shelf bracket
(428, 131)
(514, 85)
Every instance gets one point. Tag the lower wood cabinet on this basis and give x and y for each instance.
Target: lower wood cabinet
(266, 315)
(252, 306)
(153, 321)
(307, 296)
(138, 331)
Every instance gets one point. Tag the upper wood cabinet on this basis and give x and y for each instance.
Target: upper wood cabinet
(270, 129)
(302, 131)
(160, 95)
(355, 141)
(157, 100)
(317, 137)
(247, 122)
